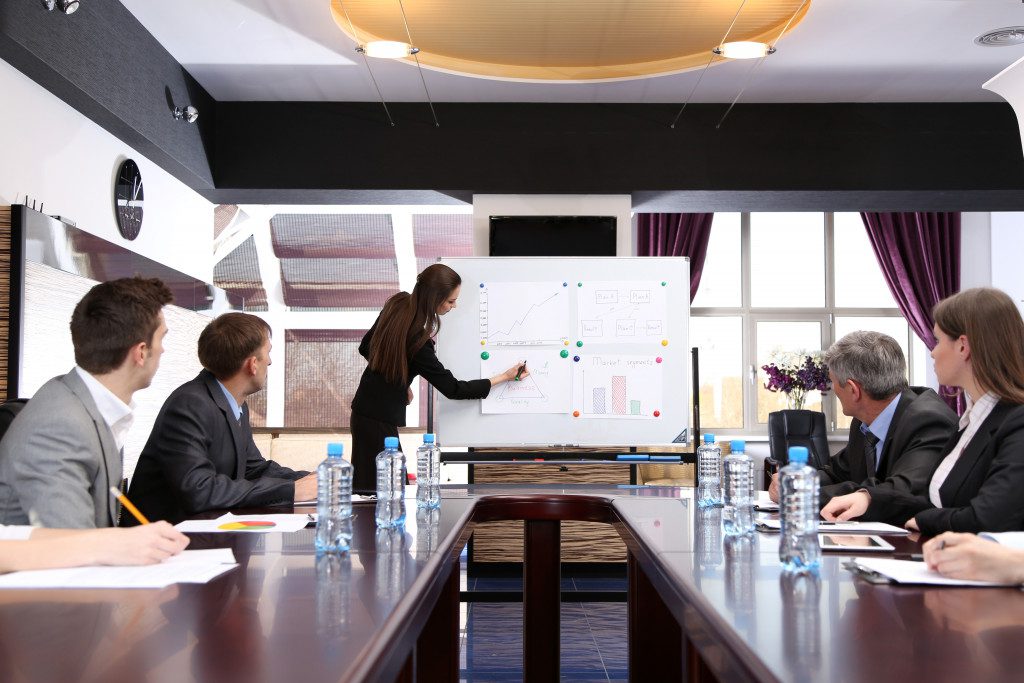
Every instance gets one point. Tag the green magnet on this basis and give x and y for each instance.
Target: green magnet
(663, 283)
(485, 355)
(563, 353)
(579, 284)
(579, 344)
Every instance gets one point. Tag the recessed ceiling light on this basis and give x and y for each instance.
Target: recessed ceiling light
(387, 49)
(1001, 37)
(743, 49)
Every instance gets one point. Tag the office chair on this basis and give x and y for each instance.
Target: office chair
(8, 411)
(795, 428)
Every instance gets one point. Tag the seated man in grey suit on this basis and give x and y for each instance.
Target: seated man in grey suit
(898, 434)
(63, 452)
(201, 454)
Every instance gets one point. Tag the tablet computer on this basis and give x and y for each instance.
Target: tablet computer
(854, 543)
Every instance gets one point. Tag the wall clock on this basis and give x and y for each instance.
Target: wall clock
(128, 200)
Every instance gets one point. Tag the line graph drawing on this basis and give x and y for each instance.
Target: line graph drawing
(524, 313)
(622, 312)
(547, 389)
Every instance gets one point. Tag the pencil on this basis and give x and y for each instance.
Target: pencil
(116, 493)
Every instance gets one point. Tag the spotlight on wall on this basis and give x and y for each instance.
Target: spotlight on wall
(66, 6)
(189, 114)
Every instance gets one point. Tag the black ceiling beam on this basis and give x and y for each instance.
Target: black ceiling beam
(872, 156)
(104, 63)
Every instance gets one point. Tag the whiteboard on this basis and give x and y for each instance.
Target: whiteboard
(608, 338)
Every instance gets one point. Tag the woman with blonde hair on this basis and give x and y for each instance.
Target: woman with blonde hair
(978, 484)
(399, 347)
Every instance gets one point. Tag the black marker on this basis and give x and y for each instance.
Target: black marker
(520, 371)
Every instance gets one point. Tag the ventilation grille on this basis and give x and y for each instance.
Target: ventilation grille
(1001, 37)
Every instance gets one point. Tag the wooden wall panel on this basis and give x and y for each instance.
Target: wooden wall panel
(581, 541)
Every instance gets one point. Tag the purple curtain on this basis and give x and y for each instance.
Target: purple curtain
(919, 254)
(676, 234)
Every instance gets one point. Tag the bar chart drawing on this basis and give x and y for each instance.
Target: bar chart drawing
(621, 312)
(546, 389)
(524, 313)
(614, 386)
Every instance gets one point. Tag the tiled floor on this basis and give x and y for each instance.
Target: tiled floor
(593, 643)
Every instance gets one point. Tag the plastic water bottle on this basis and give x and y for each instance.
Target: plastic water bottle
(709, 469)
(333, 502)
(738, 515)
(428, 469)
(798, 504)
(390, 485)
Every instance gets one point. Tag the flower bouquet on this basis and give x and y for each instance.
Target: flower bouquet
(795, 374)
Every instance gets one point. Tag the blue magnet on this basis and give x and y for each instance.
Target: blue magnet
(576, 358)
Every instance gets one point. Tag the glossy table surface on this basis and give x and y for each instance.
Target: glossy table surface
(287, 615)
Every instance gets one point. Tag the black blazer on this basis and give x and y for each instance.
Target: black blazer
(983, 492)
(381, 400)
(913, 448)
(199, 458)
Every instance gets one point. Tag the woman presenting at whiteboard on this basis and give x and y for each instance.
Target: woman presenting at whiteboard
(399, 347)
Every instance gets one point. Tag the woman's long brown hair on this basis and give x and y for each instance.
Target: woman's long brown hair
(407, 321)
(992, 324)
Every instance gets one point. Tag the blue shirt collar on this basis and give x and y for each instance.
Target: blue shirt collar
(235, 408)
(880, 426)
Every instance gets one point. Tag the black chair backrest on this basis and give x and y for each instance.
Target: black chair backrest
(798, 428)
(8, 411)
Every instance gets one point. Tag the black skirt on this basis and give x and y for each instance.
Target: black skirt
(367, 441)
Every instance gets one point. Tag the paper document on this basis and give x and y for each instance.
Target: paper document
(910, 572)
(356, 498)
(259, 524)
(189, 566)
(844, 527)
(764, 504)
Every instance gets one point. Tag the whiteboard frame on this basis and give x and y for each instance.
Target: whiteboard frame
(461, 422)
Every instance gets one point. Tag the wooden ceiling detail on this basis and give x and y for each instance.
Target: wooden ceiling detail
(569, 40)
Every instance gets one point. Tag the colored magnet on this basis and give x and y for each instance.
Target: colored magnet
(485, 355)
(483, 342)
(563, 353)
(575, 413)
(658, 359)
(565, 284)
(576, 358)
(579, 284)
(565, 341)
(482, 285)
(657, 413)
(663, 283)
(579, 344)
(664, 342)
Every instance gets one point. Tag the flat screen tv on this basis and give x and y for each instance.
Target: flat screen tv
(552, 236)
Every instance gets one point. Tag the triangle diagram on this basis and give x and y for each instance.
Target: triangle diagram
(524, 388)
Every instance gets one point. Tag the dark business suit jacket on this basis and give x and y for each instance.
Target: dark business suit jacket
(913, 448)
(983, 492)
(200, 458)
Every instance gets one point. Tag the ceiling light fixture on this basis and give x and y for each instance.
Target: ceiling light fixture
(188, 114)
(744, 49)
(387, 49)
(66, 6)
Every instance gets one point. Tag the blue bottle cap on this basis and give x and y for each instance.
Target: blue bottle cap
(428, 438)
(709, 438)
(738, 446)
(391, 442)
(335, 450)
(798, 454)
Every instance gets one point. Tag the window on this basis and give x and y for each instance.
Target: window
(781, 283)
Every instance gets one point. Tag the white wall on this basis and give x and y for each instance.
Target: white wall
(618, 205)
(1007, 250)
(57, 156)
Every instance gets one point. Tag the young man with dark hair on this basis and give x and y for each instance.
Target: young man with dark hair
(201, 454)
(63, 452)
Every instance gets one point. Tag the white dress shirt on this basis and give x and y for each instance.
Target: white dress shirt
(970, 421)
(14, 533)
(118, 415)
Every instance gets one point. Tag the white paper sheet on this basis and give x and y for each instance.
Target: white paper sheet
(524, 313)
(260, 524)
(846, 527)
(189, 566)
(618, 387)
(910, 572)
(764, 503)
(547, 389)
(614, 312)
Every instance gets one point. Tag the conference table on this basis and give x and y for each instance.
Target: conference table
(701, 606)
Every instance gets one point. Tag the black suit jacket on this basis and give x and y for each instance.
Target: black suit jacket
(983, 492)
(199, 458)
(913, 448)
